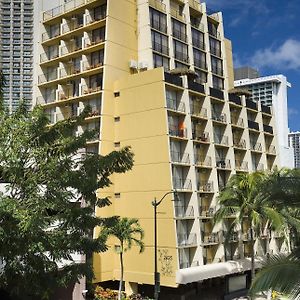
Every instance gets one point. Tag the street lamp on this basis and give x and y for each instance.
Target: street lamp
(156, 203)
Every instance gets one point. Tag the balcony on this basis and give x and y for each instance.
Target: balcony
(211, 239)
(237, 122)
(179, 35)
(239, 143)
(89, 42)
(86, 90)
(70, 71)
(259, 167)
(216, 93)
(160, 48)
(157, 5)
(47, 36)
(241, 166)
(50, 76)
(175, 131)
(223, 163)
(251, 104)
(235, 99)
(271, 150)
(95, 111)
(92, 19)
(220, 118)
(180, 158)
(70, 26)
(206, 212)
(182, 184)
(221, 140)
(266, 110)
(256, 147)
(173, 79)
(175, 105)
(253, 125)
(207, 187)
(203, 161)
(86, 66)
(187, 240)
(196, 87)
(199, 112)
(177, 14)
(268, 129)
(185, 265)
(194, 4)
(201, 136)
(184, 212)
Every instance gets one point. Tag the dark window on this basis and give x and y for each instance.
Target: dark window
(160, 43)
(198, 39)
(158, 20)
(161, 61)
(199, 59)
(179, 30)
(181, 51)
(100, 12)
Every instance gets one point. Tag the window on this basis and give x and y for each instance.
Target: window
(198, 39)
(99, 12)
(97, 58)
(218, 83)
(213, 29)
(160, 43)
(54, 30)
(179, 30)
(158, 20)
(98, 35)
(161, 61)
(202, 77)
(216, 66)
(215, 47)
(199, 59)
(181, 51)
(96, 81)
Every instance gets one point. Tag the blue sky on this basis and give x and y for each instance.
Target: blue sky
(266, 34)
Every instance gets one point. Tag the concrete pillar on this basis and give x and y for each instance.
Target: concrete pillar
(131, 288)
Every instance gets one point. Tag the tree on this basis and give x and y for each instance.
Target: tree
(47, 201)
(280, 273)
(128, 232)
(244, 198)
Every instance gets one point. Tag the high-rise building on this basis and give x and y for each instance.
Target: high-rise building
(16, 50)
(294, 142)
(157, 75)
(272, 91)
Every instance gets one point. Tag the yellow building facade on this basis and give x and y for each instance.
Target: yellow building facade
(189, 130)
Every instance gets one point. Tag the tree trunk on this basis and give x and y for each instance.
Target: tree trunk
(252, 256)
(122, 274)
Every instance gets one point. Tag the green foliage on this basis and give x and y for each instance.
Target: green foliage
(48, 200)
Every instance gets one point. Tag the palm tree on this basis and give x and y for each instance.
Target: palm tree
(128, 232)
(244, 198)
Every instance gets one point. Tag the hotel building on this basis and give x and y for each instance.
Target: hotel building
(294, 142)
(16, 51)
(189, 130)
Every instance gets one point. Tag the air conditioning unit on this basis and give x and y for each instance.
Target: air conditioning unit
(143, 65)
(133, 64)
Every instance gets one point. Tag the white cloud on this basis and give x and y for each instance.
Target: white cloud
(285, 57)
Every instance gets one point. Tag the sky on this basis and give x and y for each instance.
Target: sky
(265, 34)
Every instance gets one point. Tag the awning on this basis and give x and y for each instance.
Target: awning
(195, 274)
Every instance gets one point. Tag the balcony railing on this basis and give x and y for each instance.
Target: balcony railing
(201, 136)
(71, 26)
(184, 211)
(271, 150)
(86, 66)
(203, 161)
(179, 157)
(237, 122)
(157, 5)
(173, 79)
(185, 240)
(73, 70)
(90, 89)
(177, 14)
(241, 165)
(239, 143)
(173, 104)
(219, 117)
(185, 265)
(256, 147)
(89, 42)
(207, 187)
(95, 111)
(182, 184)
(198, 111)
(177, 132)
(206, 211)
(91, 19)
(253, 125)
(223, 163)
(213, 238)
(197, 87)
(48, 77)
(235, 99)
(251, 104)
(216, 93)
(268, 128)
(221, 140)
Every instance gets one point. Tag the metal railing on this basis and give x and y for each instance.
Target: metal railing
(175, 105)
(187, 239)
(203, 161)
(219, 117)
(206, 211)
(198, 111)
(184, 211)
(182, 184)
(213, 238)
(85, 89)
(177, 132)
(206, 187)
(239, 143)
(86, 66)
(237, 121)
(223, 163)
(221, 140)
(179, 157)
(256, 147)
(201, 136)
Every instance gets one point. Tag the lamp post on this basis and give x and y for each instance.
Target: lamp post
(156, 203)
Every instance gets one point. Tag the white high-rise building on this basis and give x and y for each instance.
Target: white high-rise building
(17, 50)
(272, 91)
(294, 141)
